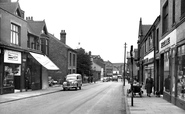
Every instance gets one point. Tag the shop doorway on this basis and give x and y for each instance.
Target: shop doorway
(161, 79)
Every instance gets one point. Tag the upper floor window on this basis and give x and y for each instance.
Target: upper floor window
(70, 61)
(47, 47)
(33, 42)
(165, 17)
(74, 60)
(157, 39)
(182, 8)
(173, 19)
(15, 34)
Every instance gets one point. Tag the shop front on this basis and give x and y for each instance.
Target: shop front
(167, 66)
(148, 68)
(180, 62)
(11, 71)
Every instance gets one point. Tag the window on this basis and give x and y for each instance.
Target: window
(47, 47)
(165, 18)
(173, 19)
(182, 8)
(15, 34)
(74, 58)
(33, 42)
(70, 57)
(157, 40)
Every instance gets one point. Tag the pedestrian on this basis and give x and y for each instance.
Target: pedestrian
(149, 85)
(26, 83)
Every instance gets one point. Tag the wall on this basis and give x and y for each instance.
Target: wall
(58, 54)
(6, 20)
(44, 78)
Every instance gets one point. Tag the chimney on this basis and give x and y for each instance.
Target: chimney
(63, 36)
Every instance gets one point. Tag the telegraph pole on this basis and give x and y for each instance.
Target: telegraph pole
(124, 63)
(131, 55)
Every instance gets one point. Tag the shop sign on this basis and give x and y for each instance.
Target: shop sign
(168, 41)
(12, 57)
(151, 60)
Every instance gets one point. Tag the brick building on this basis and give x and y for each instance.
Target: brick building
(63, 56)
(20, 49)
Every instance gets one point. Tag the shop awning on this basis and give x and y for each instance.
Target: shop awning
(44, 61)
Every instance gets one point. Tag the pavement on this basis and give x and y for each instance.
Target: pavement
(149, 105)
(141, 105)
(29, 94)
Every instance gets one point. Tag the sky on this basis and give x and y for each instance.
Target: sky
(100, 26)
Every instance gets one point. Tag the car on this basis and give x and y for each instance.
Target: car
(72, 81)
(105, 79)
(114, 78)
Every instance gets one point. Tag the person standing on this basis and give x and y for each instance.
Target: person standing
(26, 83)
(149, 85)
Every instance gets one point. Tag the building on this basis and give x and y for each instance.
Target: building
(63, 56)
(98, 66)
(21, 56)
(172, 51)
(147, 47)
(168, 51)
(108, 69)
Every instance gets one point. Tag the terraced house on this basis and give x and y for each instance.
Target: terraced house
(23, 50)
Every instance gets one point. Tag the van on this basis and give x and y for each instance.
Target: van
(72, 81)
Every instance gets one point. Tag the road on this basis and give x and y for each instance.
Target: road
(100, 98)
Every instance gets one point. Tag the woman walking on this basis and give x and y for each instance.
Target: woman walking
(149, 85)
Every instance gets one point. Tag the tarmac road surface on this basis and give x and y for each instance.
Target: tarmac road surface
(100, 98)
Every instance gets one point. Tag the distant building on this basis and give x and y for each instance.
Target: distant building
(108, 69)
(98, 66)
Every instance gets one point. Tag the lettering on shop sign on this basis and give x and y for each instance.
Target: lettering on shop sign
(12, 56)
(166, 42)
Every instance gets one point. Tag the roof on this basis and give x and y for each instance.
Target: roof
(57, 40)
(12, 7)
(35, 27)
(145, 29)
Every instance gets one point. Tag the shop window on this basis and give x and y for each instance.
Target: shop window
(173, 73)
(10, 70)
(181, 73)
(167, 77)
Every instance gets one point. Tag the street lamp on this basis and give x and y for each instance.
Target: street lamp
(124, 63)
(131, 58)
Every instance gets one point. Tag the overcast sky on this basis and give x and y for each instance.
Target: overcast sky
(101, 26)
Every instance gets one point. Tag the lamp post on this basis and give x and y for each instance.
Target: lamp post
(131, 58)
(124, 63)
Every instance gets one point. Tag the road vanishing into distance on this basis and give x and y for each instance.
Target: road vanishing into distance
(99, 98)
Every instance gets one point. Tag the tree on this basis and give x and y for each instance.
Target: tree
(83, 62)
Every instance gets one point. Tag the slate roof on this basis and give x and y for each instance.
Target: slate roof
(57, 40)
(11, 7)
(145, 29)
(35, 27)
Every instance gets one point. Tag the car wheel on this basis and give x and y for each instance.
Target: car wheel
(76, 88)
(64, 89)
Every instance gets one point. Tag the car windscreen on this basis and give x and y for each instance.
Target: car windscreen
(71, 78)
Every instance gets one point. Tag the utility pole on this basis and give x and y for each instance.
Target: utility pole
(124, 64)
(131, 57)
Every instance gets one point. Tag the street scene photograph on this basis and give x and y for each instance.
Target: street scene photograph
(92, 57)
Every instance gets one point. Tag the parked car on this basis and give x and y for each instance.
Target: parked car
(114, 78)
(105, 79)
(72, 81)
